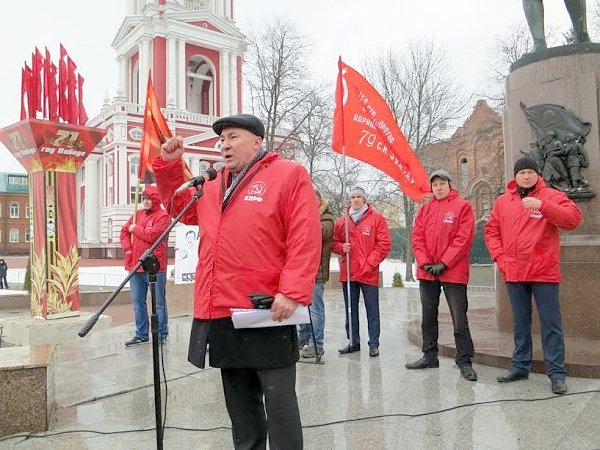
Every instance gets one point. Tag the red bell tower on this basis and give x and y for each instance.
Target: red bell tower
(194, 52)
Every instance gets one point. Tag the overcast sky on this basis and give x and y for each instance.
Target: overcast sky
(466, 29)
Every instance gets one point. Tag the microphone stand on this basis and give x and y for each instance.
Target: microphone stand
(150, 264)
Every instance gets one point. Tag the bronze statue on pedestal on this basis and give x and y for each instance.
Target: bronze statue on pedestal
(534, 13)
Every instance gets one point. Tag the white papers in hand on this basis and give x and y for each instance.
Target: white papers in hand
(261, 318)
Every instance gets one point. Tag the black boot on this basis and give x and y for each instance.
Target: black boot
(424, 363)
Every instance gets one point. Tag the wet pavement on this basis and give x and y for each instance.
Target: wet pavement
(105, 397)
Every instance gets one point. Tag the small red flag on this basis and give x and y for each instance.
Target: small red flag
(29, 90)
(72, 102)
(156, 131)
(24, 89)
(364, 124)
(38, 64)
(52, 94)
(63, 107)
(83, 117)
(46, 82)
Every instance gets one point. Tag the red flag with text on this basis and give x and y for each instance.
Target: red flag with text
(365, 126)
(156, 131)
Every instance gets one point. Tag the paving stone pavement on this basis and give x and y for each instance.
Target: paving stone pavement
(349, 402)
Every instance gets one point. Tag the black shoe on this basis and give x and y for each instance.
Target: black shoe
(423, 363)
(559, 386)
(467, 372)
(373, 351)
(513, 375)
(349, 349)
(135, 341)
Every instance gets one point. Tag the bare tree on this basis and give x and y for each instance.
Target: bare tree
(276, 77)
(312, 139)
(507, 49)
(425, 99)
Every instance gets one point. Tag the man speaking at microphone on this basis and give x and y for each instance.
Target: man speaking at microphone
(260, 233)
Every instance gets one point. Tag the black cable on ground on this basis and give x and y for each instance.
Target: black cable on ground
(27, 436)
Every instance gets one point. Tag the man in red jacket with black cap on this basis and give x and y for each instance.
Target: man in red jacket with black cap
(442, 240)
(522, 237)
(260, 233)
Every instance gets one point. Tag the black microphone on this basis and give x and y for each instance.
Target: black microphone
(209, 175)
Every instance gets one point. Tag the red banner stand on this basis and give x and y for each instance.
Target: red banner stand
(51, 152)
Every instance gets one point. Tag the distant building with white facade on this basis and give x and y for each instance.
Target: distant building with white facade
(194, 51)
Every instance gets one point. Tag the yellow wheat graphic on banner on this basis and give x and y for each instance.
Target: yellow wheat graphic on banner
(64, 281)
(38, 282)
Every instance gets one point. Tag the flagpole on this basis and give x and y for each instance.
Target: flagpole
(136, 200)
(346, 232)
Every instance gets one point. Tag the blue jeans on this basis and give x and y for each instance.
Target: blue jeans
(139, 284)
(371, 297)
(317, 315)
(548, 306)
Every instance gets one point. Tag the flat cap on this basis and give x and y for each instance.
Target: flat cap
(245, 121)
(440, 174)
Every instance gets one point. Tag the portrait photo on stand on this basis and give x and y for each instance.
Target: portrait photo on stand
(186, 253)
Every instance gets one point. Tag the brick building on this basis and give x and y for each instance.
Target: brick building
(14, 214)
(474, 157)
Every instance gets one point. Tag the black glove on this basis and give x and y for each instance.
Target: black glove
(261, 301)
(427, 267)
(437, 269)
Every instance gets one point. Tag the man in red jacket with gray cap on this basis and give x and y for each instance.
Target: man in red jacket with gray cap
(522, 237)
(260, 233)
(442, 239)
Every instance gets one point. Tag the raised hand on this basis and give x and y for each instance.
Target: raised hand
(172, 149)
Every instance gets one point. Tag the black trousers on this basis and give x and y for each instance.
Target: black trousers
(252, 418)
(456, 295)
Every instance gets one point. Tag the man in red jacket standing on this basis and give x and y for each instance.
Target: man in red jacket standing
(522, 237)
(260, 233)
(442, 240)
(137, 237)
(368, 244)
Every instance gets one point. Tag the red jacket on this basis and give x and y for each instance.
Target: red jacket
(267, 239)
(149, 225)
(370, 244)
(525, 243)
(443, 232)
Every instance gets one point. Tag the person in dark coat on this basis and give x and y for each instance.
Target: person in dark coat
(3, 272)
(317, 306)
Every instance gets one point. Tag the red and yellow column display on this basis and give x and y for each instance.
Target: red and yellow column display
(51, 152)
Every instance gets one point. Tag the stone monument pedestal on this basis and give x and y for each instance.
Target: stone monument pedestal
(28, 331)
(26, 389)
